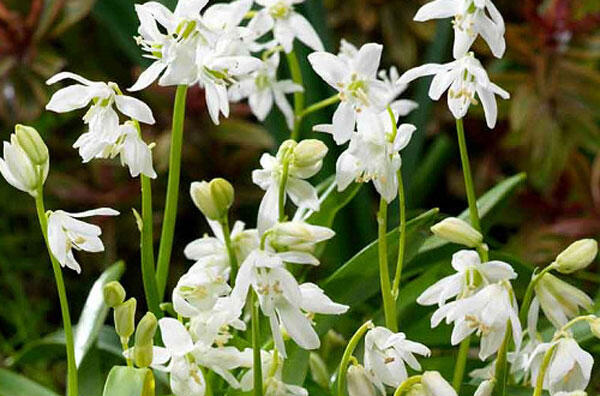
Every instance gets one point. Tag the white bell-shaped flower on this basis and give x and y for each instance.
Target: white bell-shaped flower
(198, 290)
(559, 300)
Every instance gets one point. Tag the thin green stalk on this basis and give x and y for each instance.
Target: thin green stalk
(296, 74)
(125, 346)
(346, 357)
(469, 187)
(62, 297)
(256, 362)
(501, 372)
(320, 105)
(461, 364)
(230, 251)
(407, 384)
(147, 245)
(530, 291)
(389, 307)
(282, 187)
(539, 385)
(170, 215)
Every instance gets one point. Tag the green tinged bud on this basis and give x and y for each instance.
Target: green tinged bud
(309, 152)
(143, 355)
(31, 142)
(124, 316)
(458, 231)
(595, 327)
(577, 256)
(286, 148)
(213, 198)
(114, 294)
(318, 370)
(146, 329)
(358, 382)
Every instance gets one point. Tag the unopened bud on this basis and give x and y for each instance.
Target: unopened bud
(285, 149)
(318, 369)
(309, 152)
(124, 316)
(143, 355)
(298, 236)
(458, 231)
(577, 256)
(213, 198)
(358, 382)
(31, 142)
(146, 329)
(595, 327)
(114, 294)
(434, 384)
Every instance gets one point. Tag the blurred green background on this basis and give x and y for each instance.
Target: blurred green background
(550, 129)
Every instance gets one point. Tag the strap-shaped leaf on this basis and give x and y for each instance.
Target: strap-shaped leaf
(13, 384)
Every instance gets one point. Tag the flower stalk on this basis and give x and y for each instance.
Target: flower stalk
(539, 384)
(407, 384)
(230, 250)
(256, 350)
(530, 291)
(296, 74)
(62, 297)
(170, 215)
(389, 307)
(347, 356)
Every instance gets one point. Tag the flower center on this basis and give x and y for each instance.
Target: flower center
(280, 10)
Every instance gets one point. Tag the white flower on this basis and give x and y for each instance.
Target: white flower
(210, 252)
(212, 327)
(174, 51)
(314, 300)
(373, 153)
(435, 385)
(66, 233)
(569, 369)
(463, 78)
(559, 300)
(269, 178)
(19, 169)
(470, 20)
(387, 353)
(198, 291)
(355, 78)
(286, 24)
(485, 388)
(262, 89)
(470, 277)
(487, 313)
(276, 387)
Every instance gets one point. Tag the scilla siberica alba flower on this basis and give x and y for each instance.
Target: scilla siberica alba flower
(355, 78)
(570, 367)
(373, 153)
(280, 17)
(212, 326)
(263, 89)
(471, 18)
(432, 384)
(296, 162)
(386, 355)
(463, 79)
(106, 138)
(198, 290)
(66, 232)
(281, 298)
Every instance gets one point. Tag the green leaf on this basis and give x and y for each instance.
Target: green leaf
(358, 279)
(487, 204)
(94, 311)
(73, 11)
(12, 384)
(129, 381)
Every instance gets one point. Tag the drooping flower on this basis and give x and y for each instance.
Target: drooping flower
(373, 153)
(280, 17)
(355, 78)
(212, 327)
(386, 355)
(66, 232)
(472, 18)
(569, 369)
(463, 78)
(198, 290)
(263, 89)
(471, 276)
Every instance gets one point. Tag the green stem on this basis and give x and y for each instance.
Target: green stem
(148, 272)
(470, 189)
(125, 346)
(529, 293)
(320, 105)
(384, 271)
(230, 251)
(346, 357)
(282, 187)
(461, 364)
(168, 226)
(296, 74)
(407, 384)
(256, 358)
(62, 297)
(501, 372)
(539, 385)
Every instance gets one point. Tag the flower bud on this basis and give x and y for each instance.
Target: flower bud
(31, 142)
(577, 256)
(298, 236)
(318, 369)
(309, 152)
(434, 384)
(285, 149)
(124, 317)
(213, 198)
(143, 355)
(114, 294)
(458, 231)
(146, 329)
(358, 382)
(595, 327)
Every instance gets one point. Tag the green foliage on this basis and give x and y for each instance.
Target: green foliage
(12, 384)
